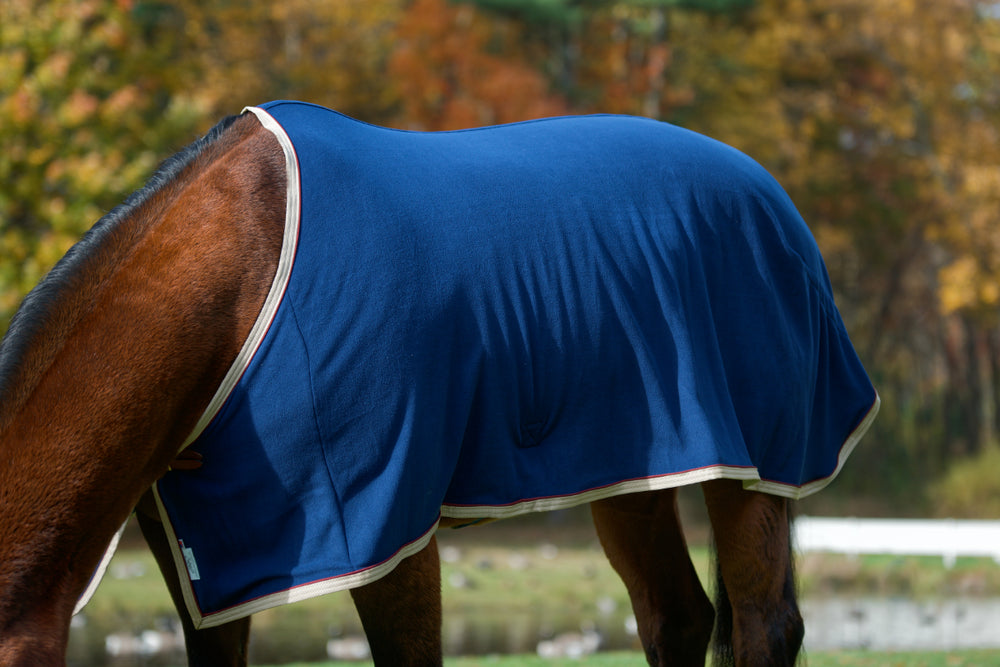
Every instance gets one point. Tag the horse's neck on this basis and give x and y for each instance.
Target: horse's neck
(133, 374)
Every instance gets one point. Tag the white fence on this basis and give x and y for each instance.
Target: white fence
(947, 538)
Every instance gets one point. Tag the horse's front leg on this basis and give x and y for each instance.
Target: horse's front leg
(642, 538)
(401, 612)
(222, 646)
(758, 617)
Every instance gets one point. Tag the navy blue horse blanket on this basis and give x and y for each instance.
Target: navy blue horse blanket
(500, 320)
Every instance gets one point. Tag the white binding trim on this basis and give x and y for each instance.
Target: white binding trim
(294, 594)
(175, 551)
(748, 475)
(102, 567)
(316, 588)
(260, 328)
(798, 492)
(285, 261)
(278, 287)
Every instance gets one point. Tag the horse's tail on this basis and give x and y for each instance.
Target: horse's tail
(722, 636)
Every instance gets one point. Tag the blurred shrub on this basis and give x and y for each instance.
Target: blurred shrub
(970, 488)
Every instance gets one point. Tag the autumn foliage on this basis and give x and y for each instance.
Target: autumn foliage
(880, 117)
(454, 67)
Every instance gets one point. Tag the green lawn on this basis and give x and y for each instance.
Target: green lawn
(840, 659)
(495, 580)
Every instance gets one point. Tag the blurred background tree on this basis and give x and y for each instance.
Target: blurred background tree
(880, 117)
(86, 110)
(454, 67)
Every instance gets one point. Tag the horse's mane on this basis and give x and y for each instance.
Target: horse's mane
(51, 309)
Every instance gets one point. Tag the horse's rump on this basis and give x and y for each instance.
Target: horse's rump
(494, 321)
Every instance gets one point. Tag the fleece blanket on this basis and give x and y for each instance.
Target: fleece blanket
(499, 320)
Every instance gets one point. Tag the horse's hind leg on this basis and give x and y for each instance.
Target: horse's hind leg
(222, 646)
(401, 612)
(642, 537)
(759, 621)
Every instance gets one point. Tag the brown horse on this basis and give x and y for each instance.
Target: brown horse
(110, 362)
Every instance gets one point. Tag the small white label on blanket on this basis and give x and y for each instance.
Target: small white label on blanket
(192, 564)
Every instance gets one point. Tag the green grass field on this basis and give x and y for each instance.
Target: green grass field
(840, 659)
(530, 587)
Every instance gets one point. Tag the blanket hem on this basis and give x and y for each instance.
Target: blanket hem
(799, 492)
(314, 588)
(547, 504)
(748, 475)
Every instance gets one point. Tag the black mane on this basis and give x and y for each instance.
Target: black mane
(39, 309)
